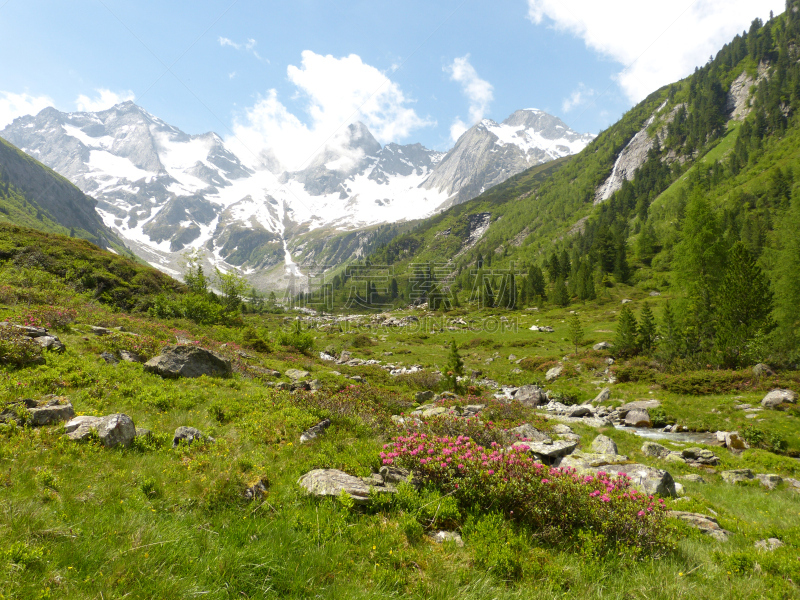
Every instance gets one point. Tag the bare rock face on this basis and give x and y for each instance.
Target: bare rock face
(188, 361)
(738, 101)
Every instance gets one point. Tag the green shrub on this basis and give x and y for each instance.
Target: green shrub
(697, 383)
(23, 555)
(362, 340)
(495, 546)
(412, 528)
(18, 350)
(757, 437)
(300, 341)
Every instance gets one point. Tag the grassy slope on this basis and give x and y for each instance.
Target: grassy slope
(151, 522)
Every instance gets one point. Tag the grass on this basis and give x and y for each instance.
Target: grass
(81, 521)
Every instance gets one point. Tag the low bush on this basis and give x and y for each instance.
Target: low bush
(361, 340)
(555, 504)
(757, 437)
(18, 350)
(697, 383)
(496, 547)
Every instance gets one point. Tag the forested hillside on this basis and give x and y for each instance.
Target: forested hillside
(710, 213)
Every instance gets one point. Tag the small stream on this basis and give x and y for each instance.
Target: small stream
(688, 437)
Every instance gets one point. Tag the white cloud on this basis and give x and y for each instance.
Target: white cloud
(579, 96)
(657, 42)
(337, 92)
(18, 105)
(249, 46)
(104, 99)
(479, 92)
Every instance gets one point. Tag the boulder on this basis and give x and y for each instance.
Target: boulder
(737, 476)
(188, 435)
(312, 432)
(762, 370)
(693, 478)
(297, 374)
(769, 481)
(734, 441)
(530, 395)
(554, 373)
(699, 455)
(425, 396)
(257, 490)
(638, 417)
(604, 445)
(80, 428)
(130, 356)
(528, 432)
(649, 480)
(603, 396)
(768, 545)
(109, 358)
(704, 523)
(392, 474)
(332, 482)
(188, 361)
(561, 429)
(638, 404)
(654, 450)
(576, 412)
(57, 410)
(51, 343)
(777, 397)
(590, 461)
(601, 346)
(116, 430)
(547, 452)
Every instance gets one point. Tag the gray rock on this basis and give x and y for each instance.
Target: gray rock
(601, 346)
(777, 397)
(297, 374)
(737, 476)
(54, 413)
(51, 343)
(604, 445)
(577, 412)
(116, 430)
(434, 412)
(700, 455)
(561, 429)
(315, 385)
(188, 435)
(530, 395)
(441, 537)
(768, 545)
(143, 432)
(130, 356)
(188, 361)
(638, 404)
(425, 396)
(109, 358)
(591, 461)
(769, 481)
(649, 480)
(99, 330)
(734, 441)
(332, 482)
(762, 370)
(704, 523)
(529, 432)
(392, 474)
(312, 432)
(693, 478)
(257, 490)
(603, 396)
(80, 428)
(654, 450)
(547, 452)
(638, 417)
(554, 373)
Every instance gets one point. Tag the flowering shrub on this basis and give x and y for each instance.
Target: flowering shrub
(18, 350)
(49, 317)
(143, 345)
(556, 504)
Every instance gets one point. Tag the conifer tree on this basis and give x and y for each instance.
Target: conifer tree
(575, 331)
(560, 292)
(626, 342)
(744, 307)
(787, 275)
(454, 368)
(647, 330)
(669, 346)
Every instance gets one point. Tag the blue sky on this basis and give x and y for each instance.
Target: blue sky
(282, 73)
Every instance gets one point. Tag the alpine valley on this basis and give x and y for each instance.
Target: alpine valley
(166, 192)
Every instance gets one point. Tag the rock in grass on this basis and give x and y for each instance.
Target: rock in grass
(769, 481)
(530, 395)
(777, 397)
(762, 370)
(554, 373)
(51, 343)
(130, 356)
(116, 430)
(693, 478)
(332, 482)
(768, 545)
(421, 397)
(638, 417)
(312, 432)
(604, 445)
(654, 450)
(57, 410)
(188, 435)
(649, 480)
(441, 537)
(526, 431)
(188, 361)
(601, 346)
(737, 476)
(297, 374)
(704, 523)
(80, 428)
(603, 396)
(547, 451)
(109, 358)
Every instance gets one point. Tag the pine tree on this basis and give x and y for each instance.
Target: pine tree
(575, 331)
(744, 307)
(560, 292)
(647, 331)
(669, 346)
(626, 342)
(454, 368)
(787, 280)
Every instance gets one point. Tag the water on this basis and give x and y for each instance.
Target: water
(690, 437)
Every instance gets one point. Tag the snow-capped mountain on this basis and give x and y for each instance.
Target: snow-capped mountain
(166, 192)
